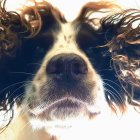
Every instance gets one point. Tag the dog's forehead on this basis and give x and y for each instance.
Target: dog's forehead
(66, 36)
(67, 31)
(64, 42)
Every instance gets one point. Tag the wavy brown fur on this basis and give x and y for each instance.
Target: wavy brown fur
(125, 51)
(122, 40)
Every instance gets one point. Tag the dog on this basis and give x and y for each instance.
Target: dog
(69, 80)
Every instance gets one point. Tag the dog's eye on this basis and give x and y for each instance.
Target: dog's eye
(44, 42)
(99, 50)
(90, 44)
(35, 49)
(86, 41)
(40, 49)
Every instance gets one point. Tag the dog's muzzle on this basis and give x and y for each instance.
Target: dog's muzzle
(67, 90)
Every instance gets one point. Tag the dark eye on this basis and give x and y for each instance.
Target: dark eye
(44, 42)
(86, 41)
(40, 49)
(91, 44)
(35, 49)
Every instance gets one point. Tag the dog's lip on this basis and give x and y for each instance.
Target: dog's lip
(65, 103)
(47, 106)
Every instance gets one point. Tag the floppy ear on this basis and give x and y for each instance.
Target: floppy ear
(119, 33)
(92, 12)
(10, 43)
(39, 17)
(10, 25)
(124, 45)
(14, 27)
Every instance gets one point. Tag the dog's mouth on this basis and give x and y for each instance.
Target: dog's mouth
(63, 109)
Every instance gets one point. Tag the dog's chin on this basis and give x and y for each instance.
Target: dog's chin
(63, 115)
(66, 108)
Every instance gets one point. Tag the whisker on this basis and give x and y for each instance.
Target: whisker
(112, 88)
(12, 103)
(116, 98)
(112, 82)
(105, 70)
(23, 73)
(35, 64)
(111, 95)
(17, 89)
(116, 92)
(13, 85)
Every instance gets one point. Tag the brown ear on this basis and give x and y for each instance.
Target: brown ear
(10, 25)
(124, 45)
(120, 33)
(27, 24)
(89, 11)
(34, 16)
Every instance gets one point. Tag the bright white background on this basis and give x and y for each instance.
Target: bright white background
(71, 8)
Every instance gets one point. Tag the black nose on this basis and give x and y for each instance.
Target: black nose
(67, 65)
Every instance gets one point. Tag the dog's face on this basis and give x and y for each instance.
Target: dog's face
(69, 83)
(66, 85)
(70, 74)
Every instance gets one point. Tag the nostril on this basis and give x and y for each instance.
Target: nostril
(59, 67)
(66, 65)
(79, 67)
(55, 67)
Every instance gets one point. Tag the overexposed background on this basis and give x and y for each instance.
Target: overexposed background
(71, 8)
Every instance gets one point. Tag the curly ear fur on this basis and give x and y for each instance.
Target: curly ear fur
(9, 25)
(87, 14)
(33, 17)
(14, 27)
(121, 34)
(124, 45)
